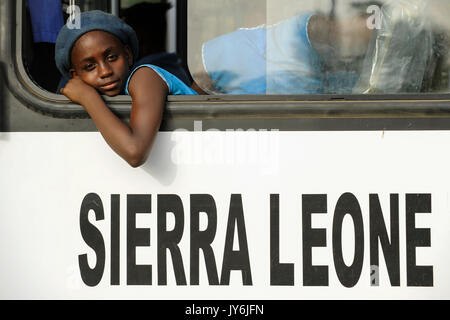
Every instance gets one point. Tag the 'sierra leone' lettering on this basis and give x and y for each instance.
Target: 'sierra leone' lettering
(281, 273)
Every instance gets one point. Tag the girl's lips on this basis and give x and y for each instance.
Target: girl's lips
(110, 86)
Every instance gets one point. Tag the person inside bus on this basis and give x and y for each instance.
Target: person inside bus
(149, 22)
(97, 57)
(324, 54)
(307, 54)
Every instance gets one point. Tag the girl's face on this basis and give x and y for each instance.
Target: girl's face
(102, 61)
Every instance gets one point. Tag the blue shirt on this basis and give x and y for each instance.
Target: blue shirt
(175, 85)
(277, 59)
(46, 19)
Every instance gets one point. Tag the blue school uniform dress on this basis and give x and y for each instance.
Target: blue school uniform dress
(276, 59)
(175, 85)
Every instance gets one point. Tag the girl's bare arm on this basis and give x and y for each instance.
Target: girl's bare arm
(133, 143)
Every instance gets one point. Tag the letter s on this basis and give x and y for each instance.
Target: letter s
(93, 238)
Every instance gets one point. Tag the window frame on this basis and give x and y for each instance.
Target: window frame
(424, 105)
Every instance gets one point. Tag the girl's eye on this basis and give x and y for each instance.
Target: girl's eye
(112, 57)
(89, 67)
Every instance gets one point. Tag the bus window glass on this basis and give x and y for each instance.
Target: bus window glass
(321, 47)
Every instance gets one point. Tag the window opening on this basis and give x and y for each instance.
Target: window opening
(148, 18)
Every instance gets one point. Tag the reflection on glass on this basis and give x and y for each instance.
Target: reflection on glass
(328, 47)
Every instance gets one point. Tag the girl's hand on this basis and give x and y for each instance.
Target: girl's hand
(78, 91)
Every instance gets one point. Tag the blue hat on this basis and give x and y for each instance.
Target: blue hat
(90, 21)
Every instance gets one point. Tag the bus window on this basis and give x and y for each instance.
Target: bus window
(148, 19)
(299, 47)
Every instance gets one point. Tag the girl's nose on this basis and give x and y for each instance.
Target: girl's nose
(105, 70)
